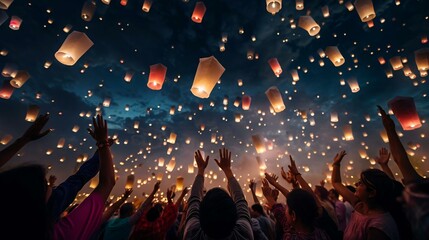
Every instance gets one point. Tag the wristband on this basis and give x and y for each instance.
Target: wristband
(103, 144)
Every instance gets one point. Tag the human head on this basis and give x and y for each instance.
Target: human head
(154, 212)
(333, 194)
(376, 189)
(258, 209)
(126, 210)
(301, 207)
(321, 192)
(218, 213)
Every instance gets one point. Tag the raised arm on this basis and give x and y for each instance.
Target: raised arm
(182, 195)
(197, 190)
(398, 151)
(108, 213)
(272, 179)
(34, 132)
(290, 178)
(145, 205)
(252, 186)
(336, 179)
(383, 160)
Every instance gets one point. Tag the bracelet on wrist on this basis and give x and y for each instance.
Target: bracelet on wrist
(102, 144)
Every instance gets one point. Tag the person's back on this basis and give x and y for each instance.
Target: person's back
(119, 228)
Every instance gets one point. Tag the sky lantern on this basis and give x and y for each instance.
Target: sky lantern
(308, 24)
(299, 4)
(396, 63)
(295, 76)
(381, 60)
(61, 143)
(3, 17)
(172, 110)
(362, 153)
(383, 135)
(161, 162)
(275, 98)
(258, 143)
(275, 66)
(172, 138)
(237, 117)
(424, 39)
(237, 102)
(190, 168)
(6, 90)
(208, 73)
(94, 182)
(349, 6)
(146, 5)
(334, 117)
(405, 111)
(128, 76)
(365, 9)
(199, 11)
(6, 139)
(107, 2)
(88, 10)
(325, 11)
(348, 132)
(67, 28)
(20, 78)
(130, 182)
(124, 2)
(422, 59)
(32, 113)
(75, 45)
(274, 6)
(261, 163)
(179, 183)
(15, 23)
(4, 4)
(156, 76)
(354, 85)
(171, 164)
(245, 102)
(136, 124)
(335, 56)
(106, 102)
(9, 70)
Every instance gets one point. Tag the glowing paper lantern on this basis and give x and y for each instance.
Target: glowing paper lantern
(208, 73)
(171, 164)
(335, 55)
(383, 135)
(6, 139)
(349, 6)
(354, 85)
(128, 76)
(32, 113)
(161, 162)
(191, 168)
(307, 23)
(237, 117)
(20, 79)
(405, 111)
(172, 138)
(67, 28)
(9, 70)
(146, 5)
(325, 11)
(6, 90)
(15, 23)
(321, 53)
(261, 163)
(3, 17)
(348, 133)
(136, 124)
(245, 102)
(159, 176)
(179, 183)
(258, 143)
(106, 102)
(275, 66)
(61, 143)
(422, 59)
(172, 110)
(94, 182)
(275, 98)
(156, 76)
(88, 10)
(295, 76)
(130, 182)
(274, 6)
(107, 2)
(396, 63)
(334, 117)
(381, 60)
(365, 9)
(124, 2)
(299, 4)
(75, 45)
(4, 4)
(199, 11)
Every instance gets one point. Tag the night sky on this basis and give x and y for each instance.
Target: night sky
(128, 40)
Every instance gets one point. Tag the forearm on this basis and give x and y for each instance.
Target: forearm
(304, 184)
(107, 175)
(180, 199)
(112, 209)
(387, 170)
(336, 174)
(282, 189)
(10, 151)
(255, 198)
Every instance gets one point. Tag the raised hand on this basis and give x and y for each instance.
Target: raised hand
(99, 133)
(34, 131)
(272, 179)
(285, 176)
(252, 185)
(128, 192)
(268, 193)
(225, 159)
(387, 121)
(156, 187)
(339, 157)
(201, 163)
(169, 195)
(383, 156)
(292, 167)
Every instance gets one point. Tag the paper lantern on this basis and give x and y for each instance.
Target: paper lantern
(15, 23)
(383, 135)
(422, 59)
(354, 85)
(274, 6)
(349, 6)
(325, 11)
(275, 66)
(32, 113)
(159, 176)
(224, 38)
(75, 45)
(156, 76)
(245, 102)
(406, 113)
(261, 163)
(20, 79)
(299, 4)
(225, 100)
(9, 70)
(275, 98)
(365, 9)
(130, 182)
(237, 117)
(172, 138)
(6, 90)
(307, 23)
(6, 139)
(221, 47)
(348, 133)
(172, 110)
(321, 53)
(334, 117)
(381, 60)
(4, 4)
(3, 17)
(161, 162)
(94, 182)
(107, 2)
(171, 164)
(128, 76)
(335, 55)
(136, 124)
(202, 127)
(75, 128)
(362, 154)
(424, 39)
(106, 102)
(88, 10)
(61, 143)
(370, 24)
(179, 183)
(258, 143)
(396, 63)
(208, 73)
(199, 11)
(67, 28)
(146, 5)
(190, 168)
(124, 2)
(295, 76)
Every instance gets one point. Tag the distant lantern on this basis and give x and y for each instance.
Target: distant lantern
(67, 28)
(221, 47)
(245, 102)
(275, 66)
(334, 117)
(128, 76)
(307, 23)
(15, 23)
(146, 5)
(365, 9)
(61, 143)
(106, 102)
(47, 64)
(274, 6)
(237, 102)
(202, 127)
(224, 38)
(136, 125)
(124, 2)
(295, 76)
(335, 55)
(4, 4)
(6, 90)
(325, 11)
(258, 143)
(172, 110)
(422, 59)
(6, 139)
(321, 53)
(190, 168)
(179, 183)
(94, 182)
(107, 2)
(383, 135)
(3, 17)
(20, 79)
(130, 182)
(75, 128)
(349, 6)
(396, 63)
(424, 39)
(354, 85)
(250, 54)
(237, 117)
(275, 98)
(75, 45)
(370, 24)
(348, 133)
(405, 111)
(381, 60)
(88, 10)
(199, 11)
(299, 4)
(156, 76)
(32, 113)
(170, 166)
(172, 138)
(240, 82)
(208, 74)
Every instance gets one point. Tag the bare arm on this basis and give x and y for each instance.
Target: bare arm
(272, 179)
(336, 180)
(252, 186)
(145, 205)
(112, 209)
(182, 195)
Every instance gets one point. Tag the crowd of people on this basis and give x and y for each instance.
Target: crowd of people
(377, 207)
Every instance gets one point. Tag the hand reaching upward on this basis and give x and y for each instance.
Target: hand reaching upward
(100, 130)
(383, 157)
(201, 163)
(225, 159)
(338, 158)
(34, 131)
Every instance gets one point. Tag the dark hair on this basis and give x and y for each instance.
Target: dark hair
(322, 192)
(304, 205)
(126, 210)
(378, 181)
(218, 213)
(259, 209)
(23, 203)
(351, 188)
(154, 212)
(335, 192)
